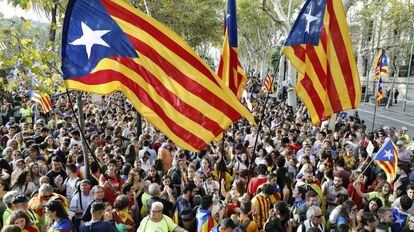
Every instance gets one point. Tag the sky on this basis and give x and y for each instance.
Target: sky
(9, 11)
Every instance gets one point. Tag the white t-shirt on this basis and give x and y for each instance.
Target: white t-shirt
(71, 187)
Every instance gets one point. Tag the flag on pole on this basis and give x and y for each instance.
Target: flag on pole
(381, 64)
(381, 69)
(230, 69)
(42, 98)
(111, 46)
(319, 47)
(268, 85)
(387, 159)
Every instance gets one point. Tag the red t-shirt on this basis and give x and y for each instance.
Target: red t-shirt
(354, 195)
(254, 184)
(109, 193)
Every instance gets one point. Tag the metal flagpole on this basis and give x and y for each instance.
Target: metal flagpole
(82, 130)
(259, 129)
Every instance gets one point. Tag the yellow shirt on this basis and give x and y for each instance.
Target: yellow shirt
(261, 206)
(252, 227)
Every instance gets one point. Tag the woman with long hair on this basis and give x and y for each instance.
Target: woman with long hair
(347, 214)
(56, 211)
(22, 220)
(372, 206)
(23, 185)
(242, 163)
(153, 175)
(34, 172)
(382, 192)
(167, 183)
(20, 142)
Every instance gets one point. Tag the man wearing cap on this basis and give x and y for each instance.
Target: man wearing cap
(403, 154)
(21, 202)
(166, 154)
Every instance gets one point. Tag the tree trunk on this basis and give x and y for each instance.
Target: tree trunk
(52, 29)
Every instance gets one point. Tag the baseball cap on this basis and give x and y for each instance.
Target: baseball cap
(404, 128)
(20, 199)
(227, 223)
(399, 142)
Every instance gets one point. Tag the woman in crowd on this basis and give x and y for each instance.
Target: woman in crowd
(56, 211)
(21, 219)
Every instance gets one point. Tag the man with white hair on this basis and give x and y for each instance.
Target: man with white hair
(157, 221)
(314, 220)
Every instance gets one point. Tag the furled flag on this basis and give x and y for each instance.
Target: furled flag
(381, 64)
(268, 84)
(230, 69)
(110, 45)
(43, 99)
(387, 159)
(381, 69)
(319, 47)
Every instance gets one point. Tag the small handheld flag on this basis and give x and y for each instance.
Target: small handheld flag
(387, 159)
(319, 47)
(43, 99)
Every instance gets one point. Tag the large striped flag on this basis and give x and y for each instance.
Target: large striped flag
(319, 47)
(43, 99)
(230, 69)
(110, 45)
(387, 159)
(268, 84)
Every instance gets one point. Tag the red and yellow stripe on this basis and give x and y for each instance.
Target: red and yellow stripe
(328, 79)
(269, 87)
(230, 69)
(43, 99)
(390, 168)
(168, 84)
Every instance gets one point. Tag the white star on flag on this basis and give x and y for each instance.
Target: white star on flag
(399, 220)
(388, 154)
(90, 38)
(309, 18)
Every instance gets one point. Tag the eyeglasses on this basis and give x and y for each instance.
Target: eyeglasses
(318, 216)
(47, 197)
(156, 211)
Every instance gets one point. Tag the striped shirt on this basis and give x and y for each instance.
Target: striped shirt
(261, 205)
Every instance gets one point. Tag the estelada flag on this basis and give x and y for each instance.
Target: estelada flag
(319, 47)
(230, 69)
(110, 45)
(268, 84)
(387, 159)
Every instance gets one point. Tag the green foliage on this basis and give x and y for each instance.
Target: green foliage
(28, 53)
(198, 22)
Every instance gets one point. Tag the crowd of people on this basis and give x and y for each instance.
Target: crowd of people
(286, 175)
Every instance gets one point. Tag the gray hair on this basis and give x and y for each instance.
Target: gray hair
(96, 187)
(157, 204)
(154, 189)
(311, 213)
(8, 198)
(46, 188)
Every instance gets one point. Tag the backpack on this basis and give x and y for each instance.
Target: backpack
(240, 227)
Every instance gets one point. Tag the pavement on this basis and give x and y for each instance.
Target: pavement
(394, 116)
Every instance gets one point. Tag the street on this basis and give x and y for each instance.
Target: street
(387, 117)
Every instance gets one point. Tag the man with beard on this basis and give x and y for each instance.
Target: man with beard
(333, 191)
(57, 174)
